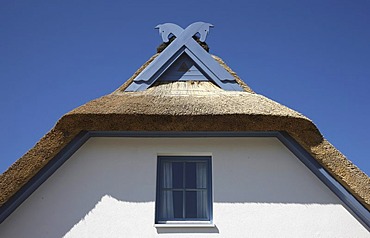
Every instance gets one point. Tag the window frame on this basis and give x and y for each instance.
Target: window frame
(185, 221)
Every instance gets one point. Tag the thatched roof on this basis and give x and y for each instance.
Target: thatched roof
(185, 106)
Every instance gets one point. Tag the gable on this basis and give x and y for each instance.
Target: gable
(183, 69)
(184, 44)
(108, 184)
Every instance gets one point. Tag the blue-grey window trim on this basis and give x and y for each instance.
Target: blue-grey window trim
(209, 183)
(346, 197)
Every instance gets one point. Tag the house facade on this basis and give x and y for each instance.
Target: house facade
(184, 148)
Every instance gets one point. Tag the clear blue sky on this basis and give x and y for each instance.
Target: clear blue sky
(312, 56)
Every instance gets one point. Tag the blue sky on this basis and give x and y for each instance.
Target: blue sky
(312, 56)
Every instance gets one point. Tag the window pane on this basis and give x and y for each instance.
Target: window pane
(167, 175)
(201, 177)
(177, 174)
(196, 204)
(190, 170)
(171, 205)
(191, 205)
(178, 204)
(166, 210)
(202, 204)
(196, 175)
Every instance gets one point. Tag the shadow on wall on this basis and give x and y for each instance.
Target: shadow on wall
(76, 188)
(121, 217)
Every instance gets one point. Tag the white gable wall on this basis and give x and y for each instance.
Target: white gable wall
(107, 189)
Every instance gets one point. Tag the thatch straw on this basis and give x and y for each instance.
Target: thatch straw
(185, 106)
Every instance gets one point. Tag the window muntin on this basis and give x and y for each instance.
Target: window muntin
(184, 191)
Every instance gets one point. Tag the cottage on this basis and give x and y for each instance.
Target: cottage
(184, 148)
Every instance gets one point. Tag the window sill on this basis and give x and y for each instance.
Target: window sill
(184, 224)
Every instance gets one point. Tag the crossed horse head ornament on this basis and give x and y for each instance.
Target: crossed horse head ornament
(167, 29)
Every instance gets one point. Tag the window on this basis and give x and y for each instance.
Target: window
(184, 190)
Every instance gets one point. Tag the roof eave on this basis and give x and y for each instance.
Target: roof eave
(70, 125)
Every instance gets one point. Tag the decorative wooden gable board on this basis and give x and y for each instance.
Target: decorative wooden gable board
(183, 69)
(184, 46)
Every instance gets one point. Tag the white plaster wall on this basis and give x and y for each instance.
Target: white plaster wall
(107, 189)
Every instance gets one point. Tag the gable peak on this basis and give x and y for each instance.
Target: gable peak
(178, 42)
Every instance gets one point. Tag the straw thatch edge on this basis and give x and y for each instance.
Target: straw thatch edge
(71, 124)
